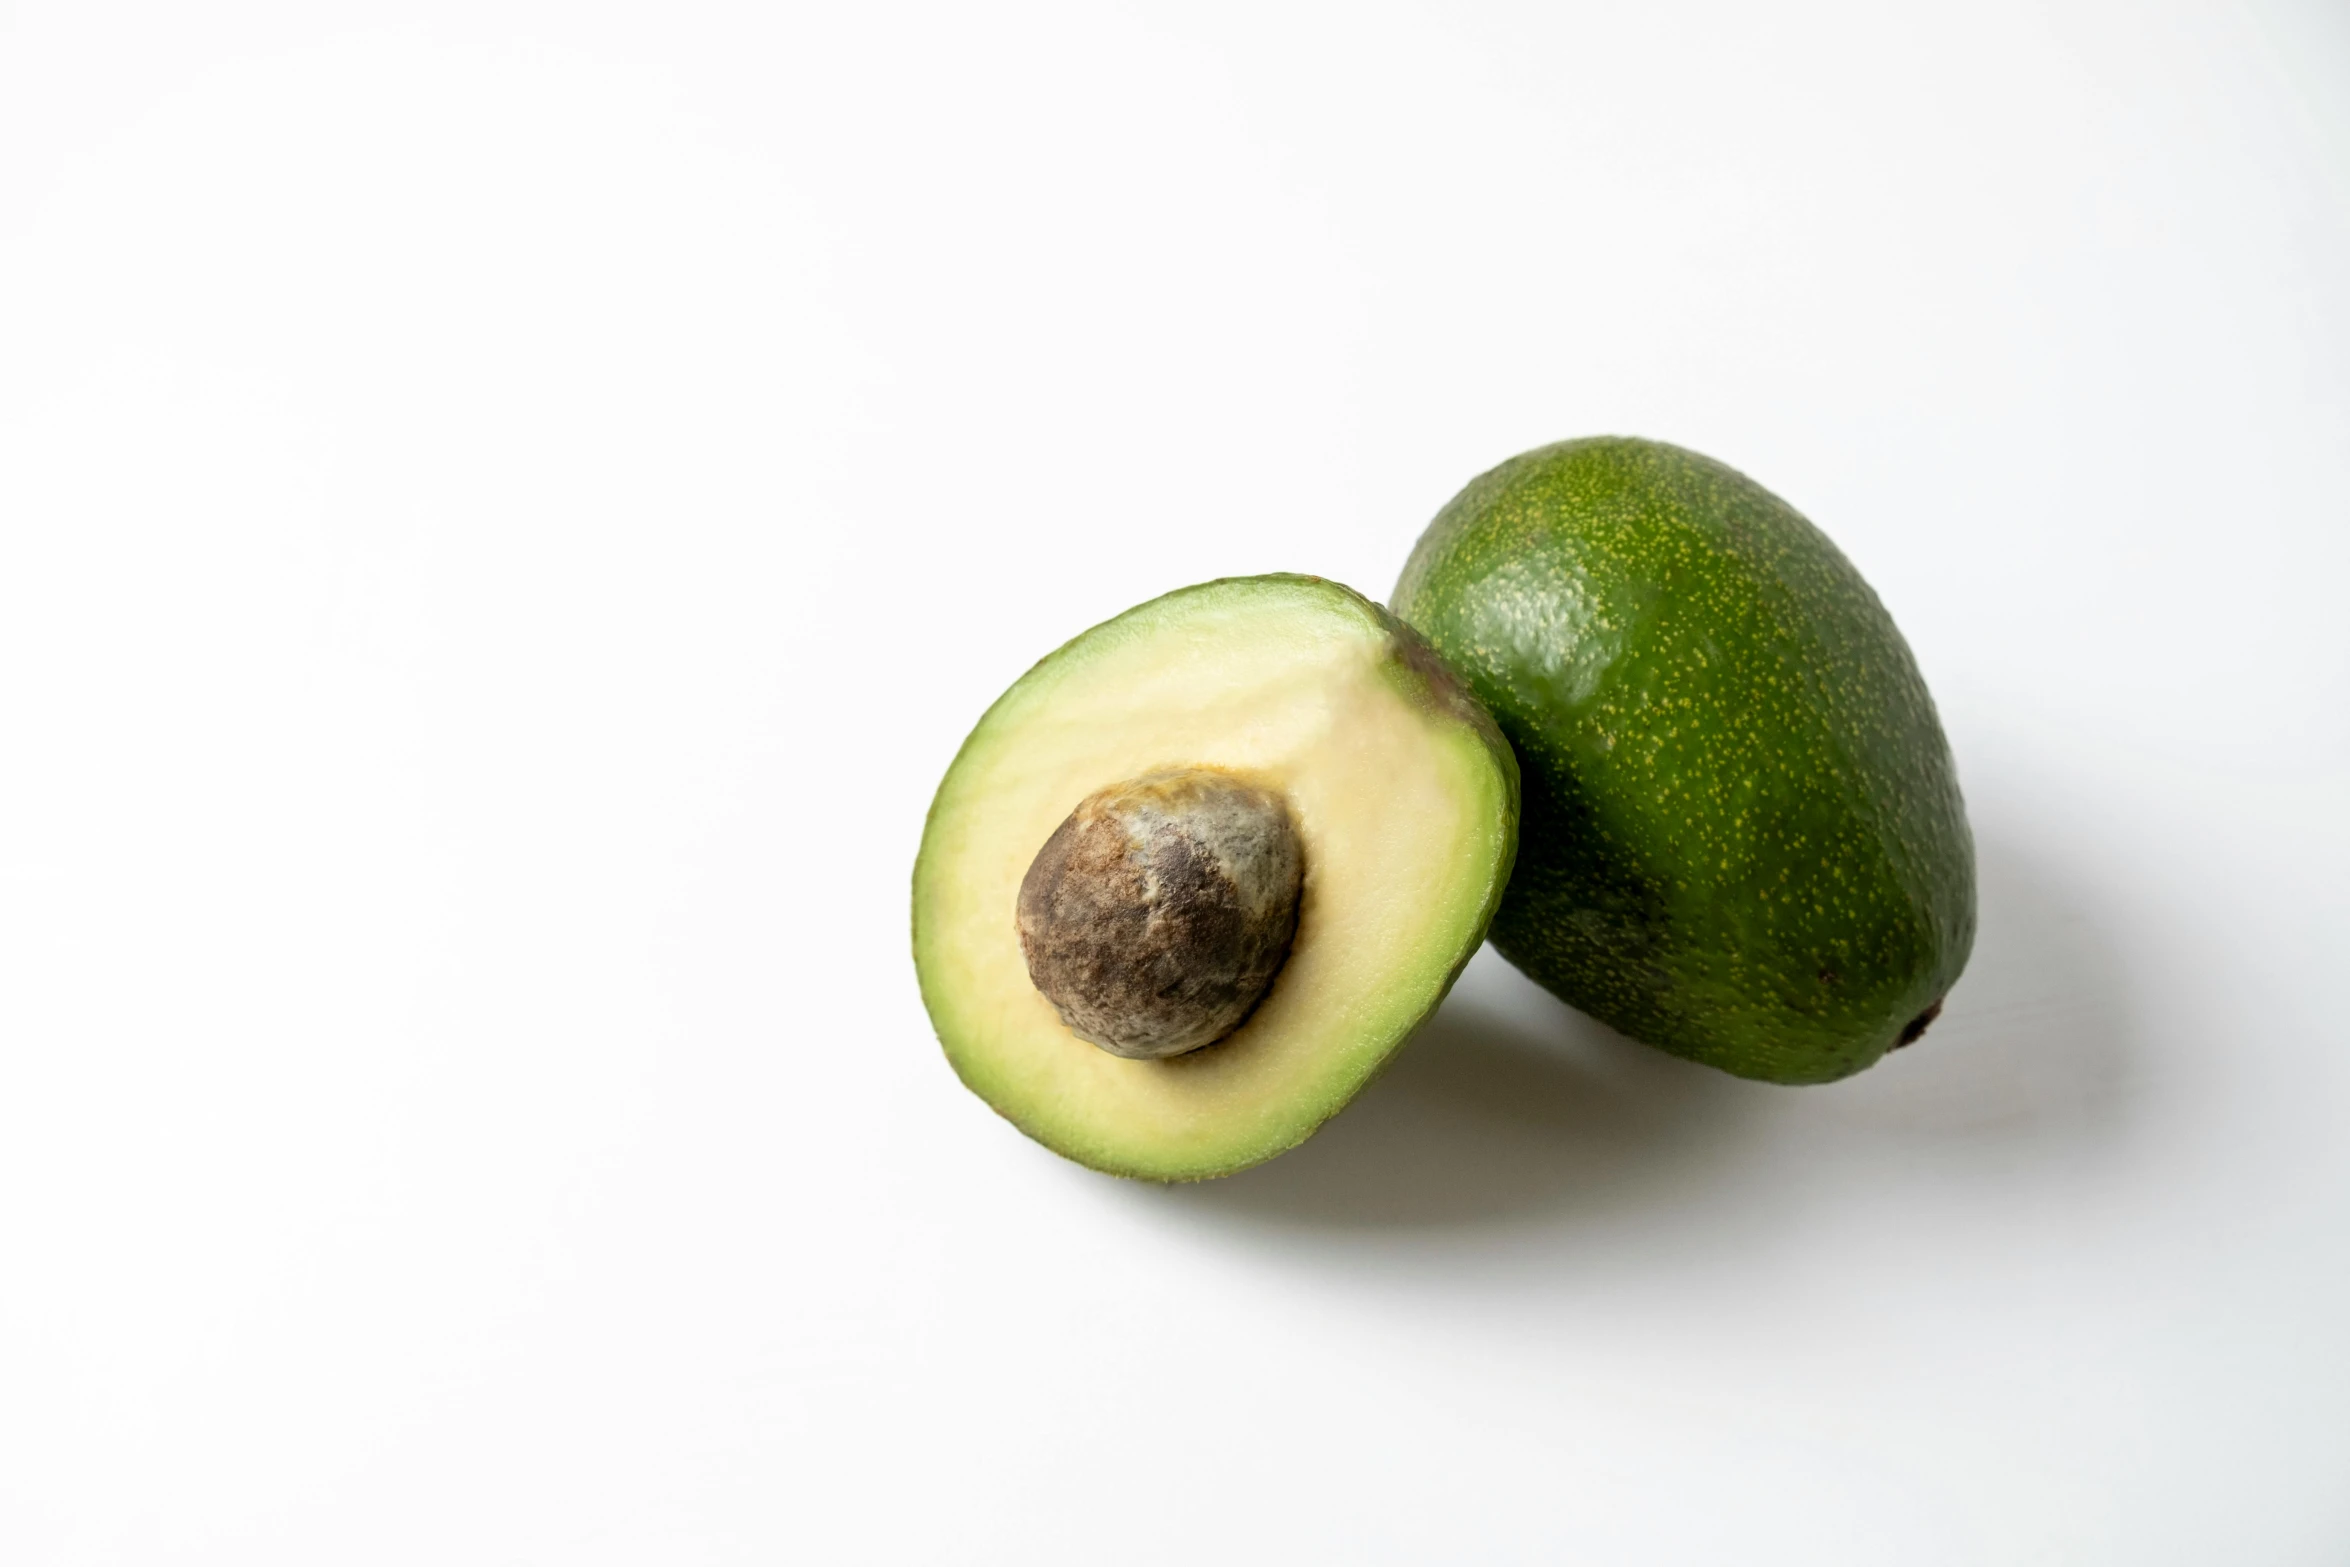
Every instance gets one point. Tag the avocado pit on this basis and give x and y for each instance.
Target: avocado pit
(1155, 916)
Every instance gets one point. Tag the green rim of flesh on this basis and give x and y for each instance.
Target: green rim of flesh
(1405, 796)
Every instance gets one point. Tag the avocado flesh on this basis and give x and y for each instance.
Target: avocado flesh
(1404, 798)
(1742, 836)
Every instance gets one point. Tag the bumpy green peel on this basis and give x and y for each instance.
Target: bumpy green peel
(1742, 838)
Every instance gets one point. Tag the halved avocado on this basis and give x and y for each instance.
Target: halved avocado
(1210, 727)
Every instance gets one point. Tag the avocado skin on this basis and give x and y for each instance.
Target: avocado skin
(1741, 836)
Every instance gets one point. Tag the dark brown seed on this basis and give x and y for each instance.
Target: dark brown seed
(1155, 917)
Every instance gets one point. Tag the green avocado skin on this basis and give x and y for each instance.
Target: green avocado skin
(1742, 838)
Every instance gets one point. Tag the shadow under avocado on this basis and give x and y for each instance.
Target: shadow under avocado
(1510, 1106)
(1507, 1101)
(2032, 1054)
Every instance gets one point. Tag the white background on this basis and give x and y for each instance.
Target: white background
(506, 510)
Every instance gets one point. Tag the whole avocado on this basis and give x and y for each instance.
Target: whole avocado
(1742, 838)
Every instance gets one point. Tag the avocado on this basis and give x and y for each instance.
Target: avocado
(1196, 876)
(1742, 837)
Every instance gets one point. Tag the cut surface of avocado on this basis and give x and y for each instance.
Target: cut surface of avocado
(1402, 797)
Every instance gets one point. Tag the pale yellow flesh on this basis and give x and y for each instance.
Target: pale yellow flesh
(1400, 810)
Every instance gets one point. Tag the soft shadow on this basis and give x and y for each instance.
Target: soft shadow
(2033, 1050)
(1507, 1102)
(1510, 1105)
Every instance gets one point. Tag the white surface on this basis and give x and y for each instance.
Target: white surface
(505, 512)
